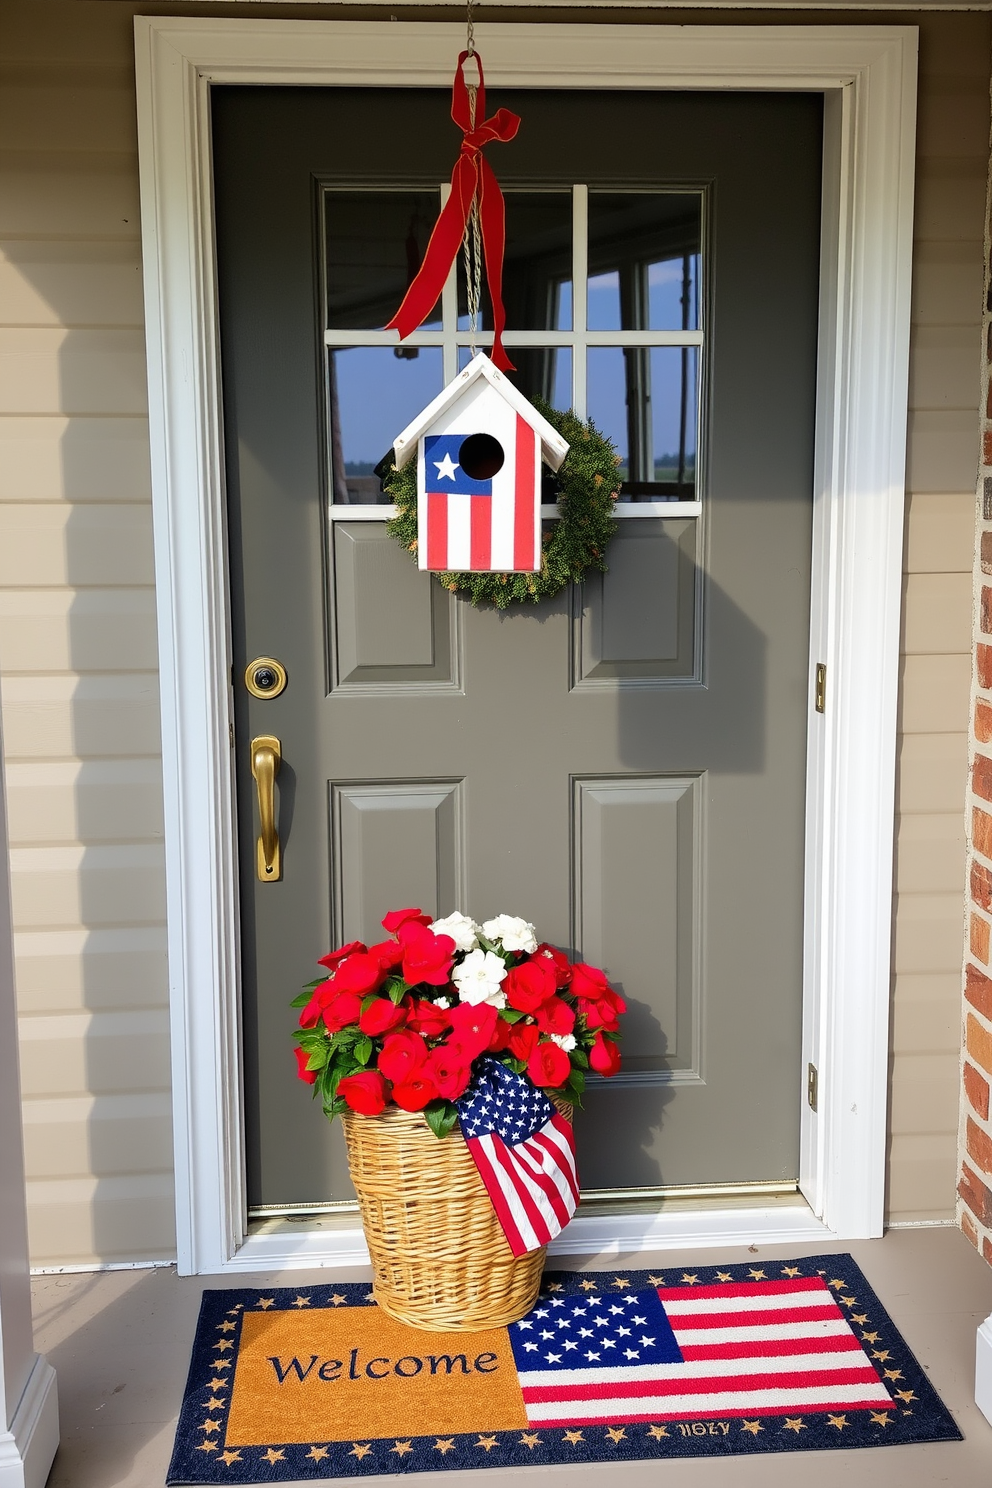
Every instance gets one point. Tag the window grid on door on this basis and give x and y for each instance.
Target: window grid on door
(454, 342)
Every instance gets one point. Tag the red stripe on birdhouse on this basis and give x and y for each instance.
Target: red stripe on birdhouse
(524, 556)
(482, 533)
(437, 532)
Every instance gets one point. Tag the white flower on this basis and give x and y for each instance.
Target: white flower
(463, 931)
(514, 933)
(478, 979)
(564, 1041)
(441, 1002)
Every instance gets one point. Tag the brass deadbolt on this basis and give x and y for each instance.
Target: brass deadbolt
(265, 677)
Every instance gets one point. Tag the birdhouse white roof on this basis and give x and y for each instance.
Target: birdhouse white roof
(553, 447)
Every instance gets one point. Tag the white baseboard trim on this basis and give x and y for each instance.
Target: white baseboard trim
(27, 1449)
(983, 1369)
(86, 1268)
(604, 1235)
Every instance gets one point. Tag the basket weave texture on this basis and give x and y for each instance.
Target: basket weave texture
(439, 1257)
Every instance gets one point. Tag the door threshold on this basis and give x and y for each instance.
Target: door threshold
(335, 1240)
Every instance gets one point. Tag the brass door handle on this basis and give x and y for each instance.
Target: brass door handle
(266, 757)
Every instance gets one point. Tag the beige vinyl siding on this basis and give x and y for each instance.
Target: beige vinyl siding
(77, 622)
(77, 644)
(944, 431)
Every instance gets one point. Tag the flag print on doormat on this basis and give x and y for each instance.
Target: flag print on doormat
(291, 1384)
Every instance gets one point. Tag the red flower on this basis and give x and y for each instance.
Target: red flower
(402, 1055)
(333, 957)
(500, 1037)
(598, 1003)
(426, 957)
(415, 1094)
(366, 1092)
(322, 995)
(361, 973)
(528, 985)
(523, 1040)
(301, 1066)
(380, 1016)
(387, 953)
(449, 1072)
(604, 1056)
(397, 917)
(549, 1066)
(561, 963)
(342, 1011)
(588, 981)
(427, 1019)
(555, 1016)
(473, 1028)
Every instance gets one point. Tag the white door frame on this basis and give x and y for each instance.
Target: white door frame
(868, 76)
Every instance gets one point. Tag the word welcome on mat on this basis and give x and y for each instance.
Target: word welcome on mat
(290, 1384)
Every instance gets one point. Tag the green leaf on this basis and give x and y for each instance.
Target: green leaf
(511, 1015)
(369, 1000)
(310, 1039)
(396, 989)
(346, 1036)
(579, 1058)
(302, 1000)
(363, 1050)
(441, 1116)
(487, 945)
(318, 1059)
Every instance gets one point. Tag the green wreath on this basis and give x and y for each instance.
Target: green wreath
(588, 486)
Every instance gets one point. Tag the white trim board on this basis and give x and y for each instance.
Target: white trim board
(868, 76)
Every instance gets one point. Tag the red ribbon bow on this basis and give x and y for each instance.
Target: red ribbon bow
(472, 176)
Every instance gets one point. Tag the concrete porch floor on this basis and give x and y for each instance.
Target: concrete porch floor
(120, 1343)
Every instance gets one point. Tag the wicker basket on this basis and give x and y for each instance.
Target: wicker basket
(439, 1257)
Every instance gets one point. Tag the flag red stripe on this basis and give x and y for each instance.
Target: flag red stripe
(685, 1322)
(743, 1289)
(774, 1348)
(437, 532)
(582, 1419)
(535, 1218)
(742, 1383)
(530, 1164)
(481, 532)
(524, 496)
(518, 1245)
(565, 1129)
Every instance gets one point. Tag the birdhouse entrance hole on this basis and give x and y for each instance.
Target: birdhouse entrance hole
(481, 456)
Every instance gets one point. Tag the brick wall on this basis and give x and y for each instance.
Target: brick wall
(975, 1183)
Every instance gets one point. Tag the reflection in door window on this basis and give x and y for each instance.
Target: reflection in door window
(646, 400)
(373, 395)
(644, 252)
(374, 244)
(537, 265)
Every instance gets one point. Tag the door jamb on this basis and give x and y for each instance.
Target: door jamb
(868, 77)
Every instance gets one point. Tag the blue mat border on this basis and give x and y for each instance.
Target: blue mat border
(925, 1418)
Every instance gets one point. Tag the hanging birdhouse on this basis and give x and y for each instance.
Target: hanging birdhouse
(479, 448)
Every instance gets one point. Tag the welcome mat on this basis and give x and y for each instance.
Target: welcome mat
(315, 1382)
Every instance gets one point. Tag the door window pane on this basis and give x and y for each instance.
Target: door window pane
(537, 265)
(542, 372)
(374, 392)
(375, 241)
(644, 260)
(646, 400)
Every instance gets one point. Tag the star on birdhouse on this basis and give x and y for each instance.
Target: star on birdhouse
(479, 448)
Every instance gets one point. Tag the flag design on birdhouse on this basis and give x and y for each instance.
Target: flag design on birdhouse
(479, 449)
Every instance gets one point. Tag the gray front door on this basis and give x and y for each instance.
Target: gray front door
(625, 766)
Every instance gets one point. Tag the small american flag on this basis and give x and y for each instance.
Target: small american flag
(736, 1349)
(525, 1154)
(481, 526)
